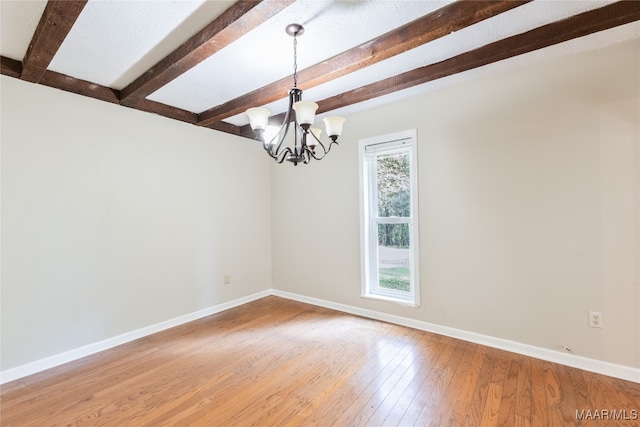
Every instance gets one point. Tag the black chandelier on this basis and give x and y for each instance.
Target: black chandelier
(306, 140)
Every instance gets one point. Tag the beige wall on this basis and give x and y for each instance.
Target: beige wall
(113, 220)
(528, 207)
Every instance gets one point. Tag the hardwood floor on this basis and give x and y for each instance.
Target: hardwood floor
(277, 362)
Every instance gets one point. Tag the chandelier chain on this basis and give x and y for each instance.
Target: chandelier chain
(295, 60)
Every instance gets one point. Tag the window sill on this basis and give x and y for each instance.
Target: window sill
(390, 299)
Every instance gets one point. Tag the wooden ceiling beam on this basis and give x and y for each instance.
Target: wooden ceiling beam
(10, 67)
(166, 111)
(107, 94)
(226, 128)
(55, 23)
(81, 87)
(450, 18)
(610, 16)
(613, 15)
(590, 22)
(235, 22)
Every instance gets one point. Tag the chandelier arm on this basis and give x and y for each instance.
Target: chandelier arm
(266, 148)
(280, 137)
(312, 154)
(324, 149)
(313, 135)
(281, 156)
(330, 145)
(294, 95)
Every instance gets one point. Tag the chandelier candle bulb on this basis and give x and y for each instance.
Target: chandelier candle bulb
(312, 143)
(334, 126)
(305, 112)
(258, 118)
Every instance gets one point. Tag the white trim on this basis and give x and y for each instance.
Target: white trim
(87, 350)
(389, 299)
(605, 368)
(368, 150)
(598, 366)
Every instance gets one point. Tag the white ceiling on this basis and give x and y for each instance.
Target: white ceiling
(18, 21)
(266, 53)
(114, 42)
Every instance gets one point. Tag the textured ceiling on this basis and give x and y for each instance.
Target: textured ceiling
(18, 21)
(111, 44)
(266, 53)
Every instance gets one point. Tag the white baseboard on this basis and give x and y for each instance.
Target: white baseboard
(610, 369)
(618, 371)
(87, 350)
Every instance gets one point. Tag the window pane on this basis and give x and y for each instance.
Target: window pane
(393, 185)
(389, 217)
(393, 257)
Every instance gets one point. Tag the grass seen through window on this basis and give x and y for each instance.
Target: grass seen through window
(395, 278)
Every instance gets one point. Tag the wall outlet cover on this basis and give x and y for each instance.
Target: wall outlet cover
(595, 319)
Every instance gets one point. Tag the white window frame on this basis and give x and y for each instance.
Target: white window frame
(405, 140)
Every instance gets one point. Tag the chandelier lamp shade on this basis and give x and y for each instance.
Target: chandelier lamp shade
(306, 144)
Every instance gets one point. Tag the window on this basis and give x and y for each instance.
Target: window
(389, 217)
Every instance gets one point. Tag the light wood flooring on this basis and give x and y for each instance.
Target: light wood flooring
(275, 362)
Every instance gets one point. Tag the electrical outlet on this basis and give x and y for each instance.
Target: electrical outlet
(595, 319)
(227, 279)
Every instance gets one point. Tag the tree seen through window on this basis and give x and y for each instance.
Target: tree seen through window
(394, 200)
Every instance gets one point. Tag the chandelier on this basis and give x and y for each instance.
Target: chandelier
(306, 139)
